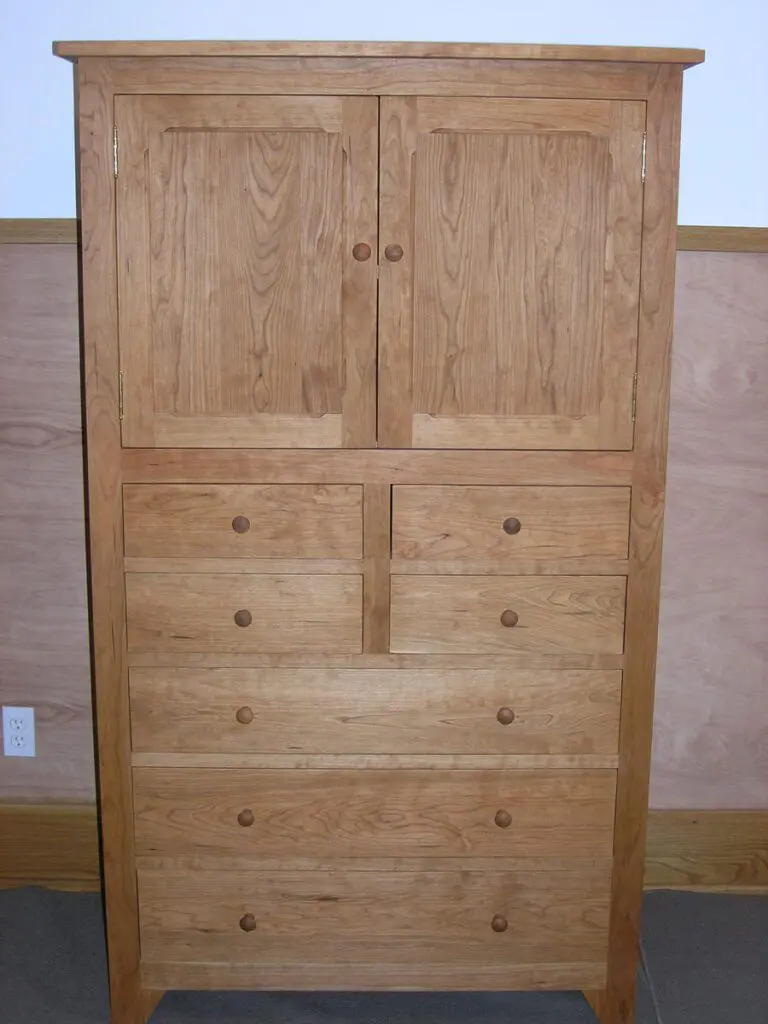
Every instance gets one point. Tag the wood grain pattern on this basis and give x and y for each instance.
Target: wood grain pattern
(372, 977)
(466, 362)
(363, 762)
(375, 813)
(251, 350)
(38, 230)
(44, 658)
(380, 466)
(296, 659)
(265, 566)
(615, 1004)
(343, 916)
(386, 711)
(376, 525)
(105, 524)
(711, 713)
(376, 76)
(298, 521)
(54, 844)
(451, 614)
(196, 612)
(706, 849)
(454, 523)
(270, 48)
(581, 566)
(696, 238)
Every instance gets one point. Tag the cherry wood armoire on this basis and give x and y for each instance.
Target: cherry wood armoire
(376, 354)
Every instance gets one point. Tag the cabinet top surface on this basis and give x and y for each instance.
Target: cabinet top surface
(279, 48)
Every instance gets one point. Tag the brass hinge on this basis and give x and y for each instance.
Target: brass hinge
(114, 149)
(642, 163)
(120, 395)
(634, 398)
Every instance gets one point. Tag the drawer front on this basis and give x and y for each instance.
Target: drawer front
(349, 916)
(486, 615)
(227, 612)
(371, 711)
(503, 523)
(374, 813)
(227, 521)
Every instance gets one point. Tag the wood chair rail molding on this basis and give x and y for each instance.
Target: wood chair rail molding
(690, 237)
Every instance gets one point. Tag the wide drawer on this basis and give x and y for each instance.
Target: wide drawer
(349, 918)
(492, 614)
(500, 524)
(369, 711)
(226, 521)
(225, 612)
(374, 813)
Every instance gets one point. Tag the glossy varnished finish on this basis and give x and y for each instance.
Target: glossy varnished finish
(420, 668)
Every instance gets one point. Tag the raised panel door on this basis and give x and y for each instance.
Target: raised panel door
(510, 264)
(245, 319)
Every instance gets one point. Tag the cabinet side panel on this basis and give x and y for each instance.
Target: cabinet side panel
(107, 598)
(615, 1004)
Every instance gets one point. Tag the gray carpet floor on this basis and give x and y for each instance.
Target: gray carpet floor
(706, 962)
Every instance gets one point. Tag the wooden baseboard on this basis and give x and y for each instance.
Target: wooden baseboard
(55, 845)
(689, 236)
(708, 850)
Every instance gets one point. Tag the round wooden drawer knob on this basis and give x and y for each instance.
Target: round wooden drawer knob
(394, 253)
(499, 923)
(245, 818)
(244, 617)
(361, 252)
(503, 819)
(505, 716)
(244, 715)
(511, 526)
(248, 923)
(241, 524)
(508, 618)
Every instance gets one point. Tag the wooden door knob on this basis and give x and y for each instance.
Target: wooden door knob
(241, 524)
(244, 617)
(511, 526)
(248, 923)
(505, 716)
(394, 253)
(244, 715)
(509, 618)
(245, 818)
(499, 923)
(361, 252)
(503, 819)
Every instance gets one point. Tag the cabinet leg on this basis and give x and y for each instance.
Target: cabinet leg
(611, 1007)
(133, 1007)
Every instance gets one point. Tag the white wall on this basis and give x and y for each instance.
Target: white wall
(725, 123)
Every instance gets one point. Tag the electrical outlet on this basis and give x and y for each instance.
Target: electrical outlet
(18, 732)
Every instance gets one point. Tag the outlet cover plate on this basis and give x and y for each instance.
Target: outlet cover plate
(18, 731)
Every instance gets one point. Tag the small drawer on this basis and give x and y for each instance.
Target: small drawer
(225, 612)
(227, 521)
(500, 524)
(374, 711)
(374, 813)
(492, 614)
(441, 917)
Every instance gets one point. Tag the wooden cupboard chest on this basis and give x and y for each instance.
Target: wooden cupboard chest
(376, 348)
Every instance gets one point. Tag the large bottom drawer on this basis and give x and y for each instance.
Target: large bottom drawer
(351, 927)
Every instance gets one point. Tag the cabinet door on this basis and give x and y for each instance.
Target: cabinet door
(510, 262)
(245, 319)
